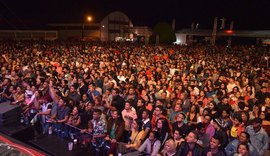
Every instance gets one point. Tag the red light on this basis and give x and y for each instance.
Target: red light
(229, 31)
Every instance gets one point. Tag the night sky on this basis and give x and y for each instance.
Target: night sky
(247, 14)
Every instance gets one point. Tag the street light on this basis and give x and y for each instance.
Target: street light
(88, 19)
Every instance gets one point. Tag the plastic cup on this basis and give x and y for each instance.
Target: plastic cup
(70, 146)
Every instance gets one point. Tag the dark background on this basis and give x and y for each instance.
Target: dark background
(246, 14)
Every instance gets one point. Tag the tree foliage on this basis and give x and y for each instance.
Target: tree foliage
(165, 33)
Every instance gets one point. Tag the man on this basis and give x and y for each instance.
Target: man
(179, 124)
(99, 130)
(92, 92)
(215, 144)
(74, 96)
(118, 103)
(132, 96)
(59, 112)
(146, 126)
(128, 115)
(244, 137)
(258, 136)
(115, 129)
(190, 146)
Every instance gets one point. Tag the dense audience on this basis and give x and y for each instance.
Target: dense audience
(156, 100)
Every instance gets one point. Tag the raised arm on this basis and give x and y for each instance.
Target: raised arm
(52, 92)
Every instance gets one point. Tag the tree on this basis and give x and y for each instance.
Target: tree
(164, 32)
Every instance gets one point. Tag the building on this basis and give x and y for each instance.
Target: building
(113, 27)
(186, 36)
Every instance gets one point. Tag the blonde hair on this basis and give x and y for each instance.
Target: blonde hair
(170, 143)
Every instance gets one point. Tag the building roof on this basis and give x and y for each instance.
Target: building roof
(237, 33)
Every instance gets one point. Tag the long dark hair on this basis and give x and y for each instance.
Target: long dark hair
(165, 126)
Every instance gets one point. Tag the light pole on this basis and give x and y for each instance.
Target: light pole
(88, 19)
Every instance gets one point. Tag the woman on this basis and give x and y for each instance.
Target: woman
(18, 96)
(242, 150)
(135, 138)
(255, 113)
(74, 118)
(162, 127)
(169, 148)
(192, 117)
(213, 110)
(178, 137)
(140, 108)
(202, 98)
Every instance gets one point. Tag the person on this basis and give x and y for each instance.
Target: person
(146, 125)
(74, 118)
(128, 114)
(176, 111)
(220, 126)
(190, 146)
(169, 148)
(203, 138)
(244, 137)
(192, 117)
(151, 145)
(179, 124)
(115, 129)
(237, 127)
(134, 139)
(117, 103)
(158, 114)
(61, 113)
(210, 130)
(44, 115)
(215, 147)
(178, 137)
(162, 127)
(99, 131)
(242, 150)
(258, 136)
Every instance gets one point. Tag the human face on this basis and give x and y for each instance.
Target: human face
(243, 137)
(96, 115)
(214, 143)
(151, 136)
(61, 102)
(168, 146)
(127, 106)
(157, 111)
(180, 118)
(242, 150)
(114, 93)
(177, 108)
(207, 119)
(75, 111)
(215, 125)
(159, 124)
(176, 135)
(211, 106)
(115, 115)
(190, 138)
(144, 115)
(134, 125)
(139, 103)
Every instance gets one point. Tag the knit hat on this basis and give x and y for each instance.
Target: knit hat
(221, 123)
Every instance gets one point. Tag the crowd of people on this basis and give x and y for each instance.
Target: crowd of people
(157, 100)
